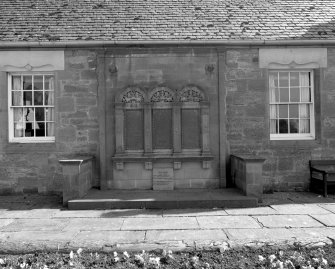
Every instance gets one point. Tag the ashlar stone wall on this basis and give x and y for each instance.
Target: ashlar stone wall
(286, 166)
(35, 167)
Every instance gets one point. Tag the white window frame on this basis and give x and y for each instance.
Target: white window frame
(11, 138)
(294, 136)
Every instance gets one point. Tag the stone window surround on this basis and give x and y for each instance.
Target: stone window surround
(308, 136)
(11, 137)
(176, 101)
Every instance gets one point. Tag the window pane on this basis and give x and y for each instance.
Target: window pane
(295, 95)
(284, 95)
(40, 129)
(294, 111)
(273, 126)
(38, 83)
(39, 114)
(49, 114)
(304, 126)
(294, 126)
(162, 128)
(38, 98)
(134, 138)
(17, 98)
(283, 79)
(304, 111)
(294, 79)
(27, 98)
(30, 131)
(50, 130)
(305, 94)
(29, 114)
(18, 129)
(18, 114)
(283, 126)
(49, 98)
(283, 111)
(16, 83)
(27, 83)
(190, 122)
(48, 83)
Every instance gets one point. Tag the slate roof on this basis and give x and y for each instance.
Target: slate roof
(122, 20)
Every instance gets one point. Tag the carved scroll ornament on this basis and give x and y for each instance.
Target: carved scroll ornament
(191, 94)
(132, 95)
(162, 94)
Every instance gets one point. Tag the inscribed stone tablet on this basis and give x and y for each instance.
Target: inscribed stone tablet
(134, 130)
(163, 179)
(162, 128)
(190, 122)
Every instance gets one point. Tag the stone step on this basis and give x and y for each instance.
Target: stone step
(176, 199)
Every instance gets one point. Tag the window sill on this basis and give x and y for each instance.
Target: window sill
(30, 141)
(291, 137)
(150, 157)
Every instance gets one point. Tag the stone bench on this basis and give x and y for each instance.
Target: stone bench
(77, 176)
(246, 174)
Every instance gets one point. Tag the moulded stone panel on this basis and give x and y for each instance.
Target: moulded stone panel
(132, 171)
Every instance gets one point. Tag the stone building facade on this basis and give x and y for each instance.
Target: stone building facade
(168, 90)
(184, 109)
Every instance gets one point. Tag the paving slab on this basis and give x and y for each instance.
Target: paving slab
(300, 209)
(78, 214)
(185, 235)
(321, 233)
(96, 239)
(30, 241)
(264, 234)
(330, 207)
(5, 222)
(277, 221)
(94, 224)
(35, 225)
(133, 213)
(168, 223)
(215, 222)
(194, 212)
(328, 220)
(264, 210)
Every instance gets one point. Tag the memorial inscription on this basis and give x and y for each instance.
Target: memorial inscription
(163, 179)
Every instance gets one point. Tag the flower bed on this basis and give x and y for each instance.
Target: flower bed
(266, 257)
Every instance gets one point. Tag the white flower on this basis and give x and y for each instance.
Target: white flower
(23, 265)
(281, 253)
(324, 262)
(280, 265)
(126, 255)
(139, 259)
(79, 251)
(2, 262)
(116, 259)
(261, 258)
(71, 255)
(45, 266)
(115, 254)
(154, 261)
(316, 260)
(272, 257)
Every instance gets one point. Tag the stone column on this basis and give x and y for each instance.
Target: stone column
(147, 128)
(205, 128)
(119, 128)
(177, 127)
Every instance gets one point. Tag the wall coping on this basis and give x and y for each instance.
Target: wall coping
(248, 158)
(76, 159)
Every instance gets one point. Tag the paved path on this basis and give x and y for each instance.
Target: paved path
(27, 225)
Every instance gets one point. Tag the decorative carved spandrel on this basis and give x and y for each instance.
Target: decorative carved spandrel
(132, 95)
(162, 94)
(191, 94)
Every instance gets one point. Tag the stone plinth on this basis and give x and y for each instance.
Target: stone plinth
(77, 176)
(246, 173)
